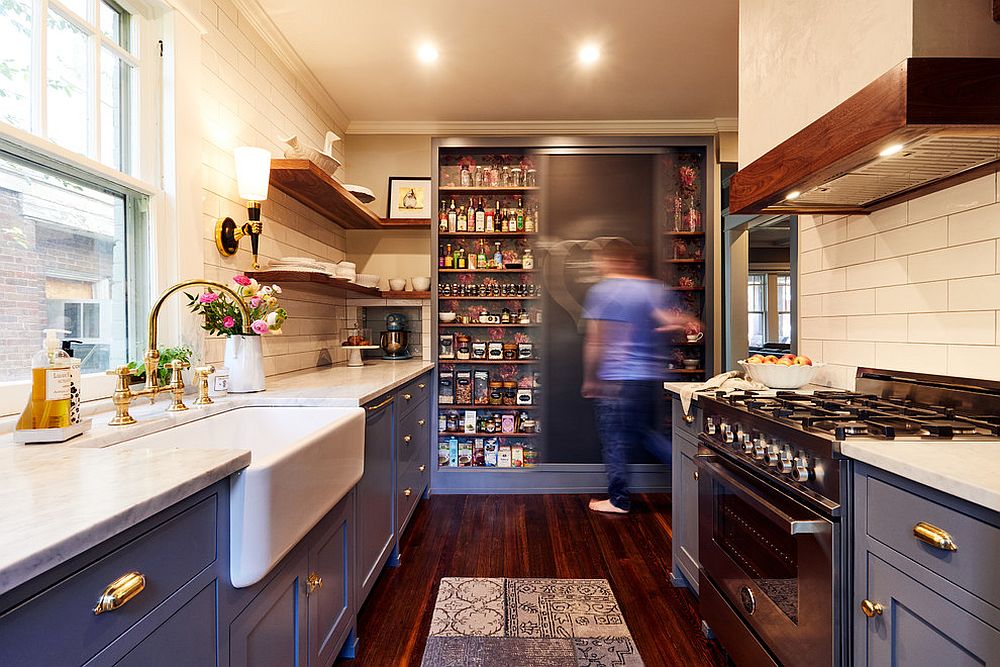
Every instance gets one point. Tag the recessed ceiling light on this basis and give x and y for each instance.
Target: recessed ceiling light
(794, 194)
(427, 53)
(890, 150)
(590, 54)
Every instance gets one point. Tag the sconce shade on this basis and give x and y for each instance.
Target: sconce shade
(253, 170)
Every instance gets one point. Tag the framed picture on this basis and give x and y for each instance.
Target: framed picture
(409, 198)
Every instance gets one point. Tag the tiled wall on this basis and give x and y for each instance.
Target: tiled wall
(250, 98)
(913, 287)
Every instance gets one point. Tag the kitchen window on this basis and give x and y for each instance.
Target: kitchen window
(757, 308)
(769, 308)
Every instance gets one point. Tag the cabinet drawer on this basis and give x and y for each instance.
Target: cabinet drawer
(892, 515)
(413, 436)
(684, 426)
(413, 394)
(409, 491)
(59, 627)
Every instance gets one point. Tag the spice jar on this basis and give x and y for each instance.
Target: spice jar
(446, 346)
(528, 426)
(510, 351)
(524, 397)
(510, 393)
(525, 350)
(494, 350)
(496, 393)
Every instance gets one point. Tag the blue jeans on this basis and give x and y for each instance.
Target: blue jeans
(626, 416)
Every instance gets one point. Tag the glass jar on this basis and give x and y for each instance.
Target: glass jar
(530, 178)
(509, 351)
(505, 177)
(463, 346)
(496, 393)
(466, 177)
(515, 177)
(510, 393)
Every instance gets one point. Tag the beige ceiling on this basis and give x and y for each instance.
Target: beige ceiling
(516, 60)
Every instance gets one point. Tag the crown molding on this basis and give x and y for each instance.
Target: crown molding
(708, 126)
(269, 32)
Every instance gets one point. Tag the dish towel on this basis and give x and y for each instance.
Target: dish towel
(731, 380)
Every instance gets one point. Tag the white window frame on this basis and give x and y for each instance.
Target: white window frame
(144, 175)
(764, 301)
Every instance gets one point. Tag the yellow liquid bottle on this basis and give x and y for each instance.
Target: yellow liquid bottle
(51, 384)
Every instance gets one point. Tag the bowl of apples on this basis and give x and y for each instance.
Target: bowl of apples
(791, 371)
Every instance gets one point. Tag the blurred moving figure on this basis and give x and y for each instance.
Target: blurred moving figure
(624, 356)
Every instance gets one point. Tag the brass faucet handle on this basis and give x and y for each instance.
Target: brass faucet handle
(201, 376)
(122, 397)
(177, 385)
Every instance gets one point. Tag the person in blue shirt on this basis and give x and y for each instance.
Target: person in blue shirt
(624, 358)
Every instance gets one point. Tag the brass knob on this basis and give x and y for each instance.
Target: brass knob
(422, 468)
(421, 422)
(934, 536)
(407, 397)
(313, 581)
(421, 386)
(407, 492)
(407, 438)
(688, 419)
(120, 591)
(695, 474)
(871, 609)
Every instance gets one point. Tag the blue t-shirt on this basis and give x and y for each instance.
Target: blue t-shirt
(638, 351)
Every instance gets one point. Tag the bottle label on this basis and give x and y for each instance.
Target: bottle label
(58, 384)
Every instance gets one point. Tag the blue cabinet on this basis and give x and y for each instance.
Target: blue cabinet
(376, 492)
(272, 630)
(914, 602)
(189, 636)
(684, 492)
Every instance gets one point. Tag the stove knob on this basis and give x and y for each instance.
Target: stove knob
(801, 472)
(710, 425)
(785, 462)
(760, 450)
(773, 455)
(730, 434)
(748, 447)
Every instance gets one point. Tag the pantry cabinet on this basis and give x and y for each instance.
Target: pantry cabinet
(915, 603)
(684, 485)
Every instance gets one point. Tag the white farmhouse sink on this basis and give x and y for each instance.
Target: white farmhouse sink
(303, 461)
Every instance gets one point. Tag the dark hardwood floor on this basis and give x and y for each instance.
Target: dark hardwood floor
(535, 536)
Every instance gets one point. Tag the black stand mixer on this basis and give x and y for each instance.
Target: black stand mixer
(394, 341)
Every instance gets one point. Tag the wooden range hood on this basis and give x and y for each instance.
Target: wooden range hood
(944, 112)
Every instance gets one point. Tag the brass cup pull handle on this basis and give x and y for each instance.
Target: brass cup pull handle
(934, 536)
(407, 397)
(313, 581)
(422, 468)
(407, 492)
(120, 591)
(407, 438)
(871, 609)
(688, 419)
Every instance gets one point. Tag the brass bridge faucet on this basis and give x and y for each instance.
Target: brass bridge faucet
(123, 394)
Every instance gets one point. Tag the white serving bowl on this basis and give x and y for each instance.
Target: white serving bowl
(421, 283)
(367, 280)
(446, 317)
(778, 376)
(397, 284)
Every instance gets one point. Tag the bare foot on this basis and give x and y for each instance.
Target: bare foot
(606, 506)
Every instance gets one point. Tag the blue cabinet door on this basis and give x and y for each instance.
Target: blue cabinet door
(187, 638)
(331, 602)
(375, 495)
(272, 630)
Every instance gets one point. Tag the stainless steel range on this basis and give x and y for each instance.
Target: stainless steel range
(773, 489)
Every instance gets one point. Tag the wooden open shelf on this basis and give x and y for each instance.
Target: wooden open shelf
(481, 190)
(391, 294)
(685, 289)
(486, 326)
(492, 235)
(487, 298)
(406, 223)
(684, 261)
(316, 282)
(683, 233)
(484, 434)
(685, 371)
(486, 270)
(495, 362)
(486, 406)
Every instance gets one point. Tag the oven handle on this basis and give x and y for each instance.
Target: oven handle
(795, 526)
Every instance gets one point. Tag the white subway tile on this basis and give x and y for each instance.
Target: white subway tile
(811, 348)
(809, 221)
(913, 358)
(826, 234)
(912, 239)
(849, 353)
(924, 297)
(891, 328)
(974, 293)
(974, 362)
(972, 328)
(979, 192)
(856, 302)
(812, 261)
(977, 259)
(834, 280)
(810, 306)
(825, 328)
(858, 251)
(977, 224)
(877, 274)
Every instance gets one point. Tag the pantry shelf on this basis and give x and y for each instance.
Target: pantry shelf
(485, 406)
(486, 270)
(491, 235)
(444, 297)
(498, 362)
(486, 326)
(482, 190)
(485, 434)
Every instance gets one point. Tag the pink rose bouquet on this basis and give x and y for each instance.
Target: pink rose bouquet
(223, 317)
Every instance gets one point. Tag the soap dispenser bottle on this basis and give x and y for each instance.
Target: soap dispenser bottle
(51, 386)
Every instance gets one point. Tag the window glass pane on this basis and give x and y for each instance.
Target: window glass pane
(784, 328)
(756, 330)
(15, 63)
(78, 7)
(111, 24)
(68, 56)
(115, 75)
(62, 265)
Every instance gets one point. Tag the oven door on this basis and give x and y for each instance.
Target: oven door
(771, 557)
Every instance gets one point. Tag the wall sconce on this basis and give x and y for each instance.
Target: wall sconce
(253, 171)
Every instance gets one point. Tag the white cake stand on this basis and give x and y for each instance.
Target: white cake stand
(354, 353)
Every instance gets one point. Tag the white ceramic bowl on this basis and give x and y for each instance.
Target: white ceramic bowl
(691, 364)
(446, 317)
(777, 376)
(397, 284)
(367, 279)
(421, 283)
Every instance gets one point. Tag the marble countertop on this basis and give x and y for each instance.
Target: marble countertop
(967, 470)
(55, 502)
(678, 387)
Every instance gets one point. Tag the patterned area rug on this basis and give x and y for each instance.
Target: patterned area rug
(522, 622)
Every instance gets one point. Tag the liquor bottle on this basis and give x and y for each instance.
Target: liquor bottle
(531, 220)
(473, 261)
(448, 259)
(442, 218)
(463, 220)
(480, 217)
(490, 217)
(452, 217)
(454, 261)
(498, 257)
(440, 257)
(496, 218)
(502, 222)
(527, 260)
(520, 215)
(483, 262)
(462, 264)
(512, 220)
